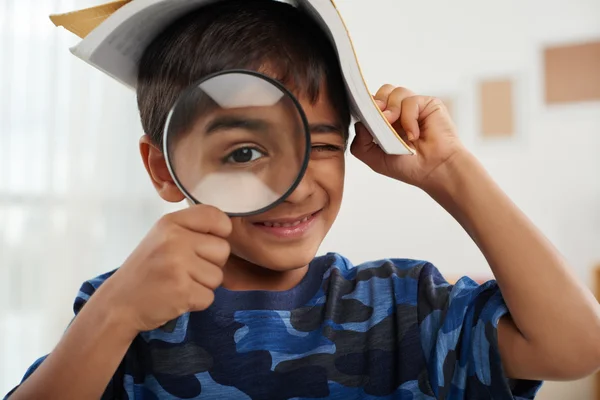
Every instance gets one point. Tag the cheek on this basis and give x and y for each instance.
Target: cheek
(329, 175)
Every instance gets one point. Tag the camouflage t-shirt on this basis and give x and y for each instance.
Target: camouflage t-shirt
(389, 329)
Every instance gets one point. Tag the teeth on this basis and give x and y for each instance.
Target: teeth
(287, 224)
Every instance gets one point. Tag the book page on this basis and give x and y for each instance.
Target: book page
(363, 106)
(132, 37)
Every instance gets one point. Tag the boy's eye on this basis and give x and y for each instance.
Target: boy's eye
(243, 155)
(325, 147)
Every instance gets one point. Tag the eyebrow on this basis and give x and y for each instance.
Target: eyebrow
(230, 122)
(325, 128)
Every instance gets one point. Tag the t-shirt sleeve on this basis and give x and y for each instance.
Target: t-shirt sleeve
(85, 292)
(459, 334)
(28, 373)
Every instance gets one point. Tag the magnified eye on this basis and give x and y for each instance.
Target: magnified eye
(244, 155)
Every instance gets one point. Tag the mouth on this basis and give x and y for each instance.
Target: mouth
(289, 228)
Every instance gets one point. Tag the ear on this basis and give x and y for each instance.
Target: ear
(156, 165)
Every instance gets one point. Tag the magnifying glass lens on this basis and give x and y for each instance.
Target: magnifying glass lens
(237, 141)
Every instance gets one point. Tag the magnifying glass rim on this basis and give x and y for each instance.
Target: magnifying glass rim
(281, 87)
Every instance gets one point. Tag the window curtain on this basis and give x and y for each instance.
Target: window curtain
(74, 197)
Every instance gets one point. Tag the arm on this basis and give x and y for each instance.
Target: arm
(174, 270)
(84, 361)
(554, 329)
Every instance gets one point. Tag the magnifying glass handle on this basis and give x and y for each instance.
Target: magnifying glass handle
(169, 326)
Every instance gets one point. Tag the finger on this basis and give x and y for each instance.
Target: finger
(383, 93)
(394, 103)
(201, 298)
(202, 219)
(380, 104)
(211, 248)
(412, 113)
(366, 150)
(206, 274)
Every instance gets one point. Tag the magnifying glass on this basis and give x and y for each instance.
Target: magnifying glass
(236, 140)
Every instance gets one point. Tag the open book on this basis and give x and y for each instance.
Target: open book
(115, 35)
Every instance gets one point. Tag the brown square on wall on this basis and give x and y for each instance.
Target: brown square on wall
(572, 73)
(497, 110)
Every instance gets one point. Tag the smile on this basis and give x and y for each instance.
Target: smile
(286, 224)
(288, 228)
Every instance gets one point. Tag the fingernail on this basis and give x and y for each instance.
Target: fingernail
(387, 113)
(380, 104)
(410, 136)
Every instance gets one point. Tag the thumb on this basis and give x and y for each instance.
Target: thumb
(366, 150)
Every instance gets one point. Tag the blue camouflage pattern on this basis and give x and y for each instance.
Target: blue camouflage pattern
(388, 329)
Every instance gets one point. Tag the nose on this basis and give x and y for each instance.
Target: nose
(305, 189)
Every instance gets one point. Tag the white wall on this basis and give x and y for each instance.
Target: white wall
(551, 168)
(92, 202)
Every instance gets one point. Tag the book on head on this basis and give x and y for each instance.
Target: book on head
(114, 36)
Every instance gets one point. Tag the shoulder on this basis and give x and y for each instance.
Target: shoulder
(88, 288)
(419, 279)
(407, 280)
(384, 268)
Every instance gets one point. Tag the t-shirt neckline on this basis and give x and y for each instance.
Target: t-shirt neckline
(228, 301)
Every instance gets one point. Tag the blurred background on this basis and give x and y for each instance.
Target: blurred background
(75, 199)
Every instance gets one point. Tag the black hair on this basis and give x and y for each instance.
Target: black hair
(263, 35)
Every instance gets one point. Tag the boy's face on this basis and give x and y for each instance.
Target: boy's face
(289, 235)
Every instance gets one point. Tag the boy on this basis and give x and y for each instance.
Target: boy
(259, 317)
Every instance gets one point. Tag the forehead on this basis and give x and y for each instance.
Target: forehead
(320, 110)
(311, 90)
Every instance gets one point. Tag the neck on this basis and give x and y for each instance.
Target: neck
(242, 275)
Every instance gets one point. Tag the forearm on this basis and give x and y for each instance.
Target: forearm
(84, 361)
(549, 306)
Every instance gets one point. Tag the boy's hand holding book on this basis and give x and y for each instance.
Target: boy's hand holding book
(422, 121)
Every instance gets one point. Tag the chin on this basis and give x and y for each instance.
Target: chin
(279, 257)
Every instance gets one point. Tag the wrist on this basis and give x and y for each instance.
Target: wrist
(464, 189)
(449, 179)
(86, 357)
(110, 314)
